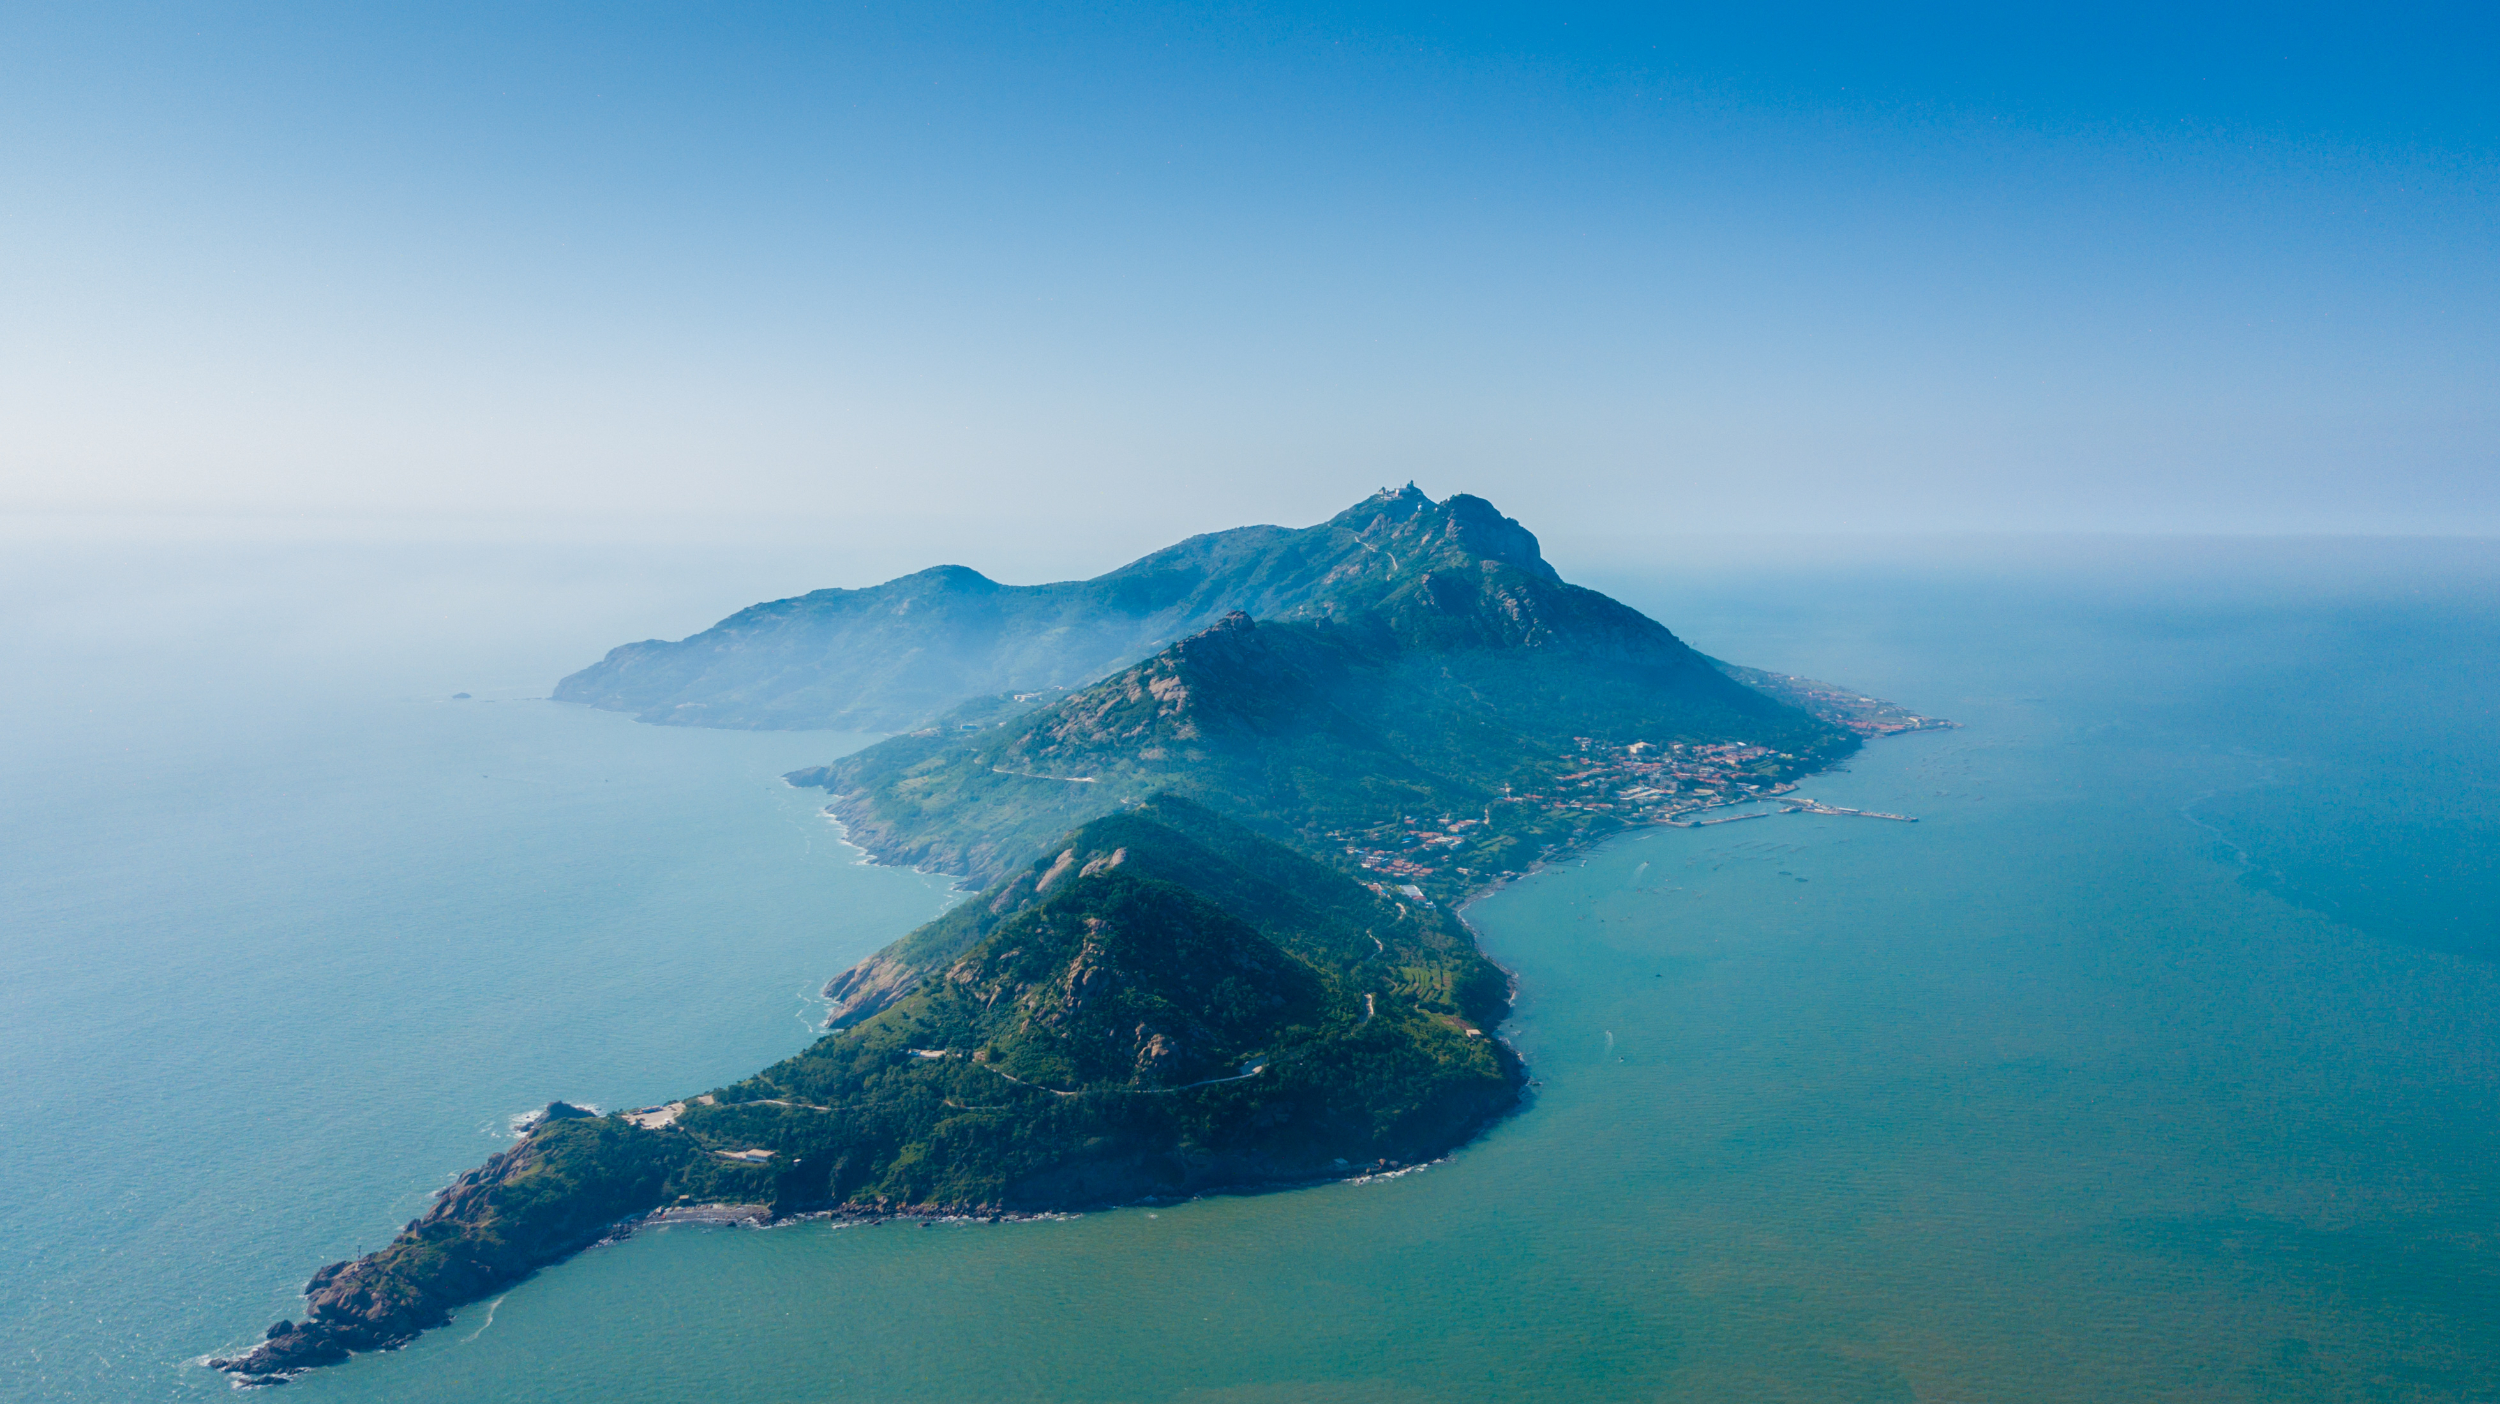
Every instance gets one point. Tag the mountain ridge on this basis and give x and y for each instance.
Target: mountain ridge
(893, 656)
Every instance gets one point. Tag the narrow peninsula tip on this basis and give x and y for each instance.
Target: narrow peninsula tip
(1220, 805)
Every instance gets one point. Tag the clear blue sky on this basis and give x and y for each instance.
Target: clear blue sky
(1037, 268)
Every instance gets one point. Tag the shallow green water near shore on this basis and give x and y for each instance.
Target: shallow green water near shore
(2127, 1072)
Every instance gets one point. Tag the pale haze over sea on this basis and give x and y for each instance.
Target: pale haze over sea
(2115, 385)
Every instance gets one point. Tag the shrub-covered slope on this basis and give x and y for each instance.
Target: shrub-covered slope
(1168, 1004)
(1311, 910)
(1306, 728)
(1121, 1034)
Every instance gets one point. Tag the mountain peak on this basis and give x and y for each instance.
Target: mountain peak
(1479, 528)
(955, 577)
(892, 656)
(1388, 507)
(1407, 525)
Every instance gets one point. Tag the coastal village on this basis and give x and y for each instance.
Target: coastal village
(1674, 784)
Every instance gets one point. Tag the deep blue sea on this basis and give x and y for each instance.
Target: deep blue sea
(2159, 1060)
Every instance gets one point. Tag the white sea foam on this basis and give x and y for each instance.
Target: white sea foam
(842, 835)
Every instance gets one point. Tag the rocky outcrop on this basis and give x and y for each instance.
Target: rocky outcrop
(867, 987)
(568, 1184)
(361, 1304)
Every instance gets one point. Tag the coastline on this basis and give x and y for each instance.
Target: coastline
(386, 1299)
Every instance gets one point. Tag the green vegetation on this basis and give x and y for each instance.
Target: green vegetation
(1168, 1003)
(564, 1187)
(1444, 670)
(1216, 945)
(1114, 1032)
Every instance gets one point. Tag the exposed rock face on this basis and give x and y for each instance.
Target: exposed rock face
(360, 1305)
(868, 987)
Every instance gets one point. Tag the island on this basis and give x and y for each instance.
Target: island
(1215, 944)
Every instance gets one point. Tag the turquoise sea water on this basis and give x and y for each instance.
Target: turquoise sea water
(2156, 1061)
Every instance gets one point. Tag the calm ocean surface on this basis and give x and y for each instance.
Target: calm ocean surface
(2161, 1059)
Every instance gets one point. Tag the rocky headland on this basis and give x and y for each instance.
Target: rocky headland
(1215, 946)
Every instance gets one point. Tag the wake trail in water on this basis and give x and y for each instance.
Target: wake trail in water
(481, 1326)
